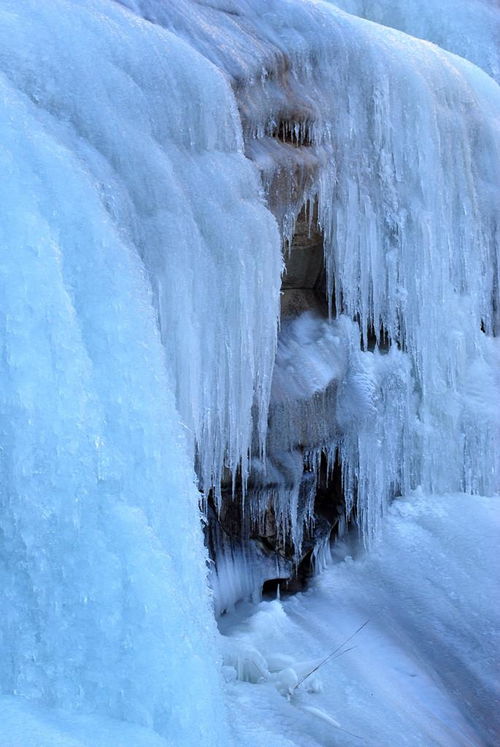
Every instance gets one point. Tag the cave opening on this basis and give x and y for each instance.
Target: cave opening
(292, 132)
(303, 285)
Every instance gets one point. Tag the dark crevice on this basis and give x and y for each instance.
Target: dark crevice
(303, 286)
(249, 523)
(292, 132)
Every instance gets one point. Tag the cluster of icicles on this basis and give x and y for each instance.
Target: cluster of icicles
(403, 141)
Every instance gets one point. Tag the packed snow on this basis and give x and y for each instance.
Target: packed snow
(424, 668)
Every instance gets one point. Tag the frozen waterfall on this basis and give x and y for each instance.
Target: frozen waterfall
(250, 278)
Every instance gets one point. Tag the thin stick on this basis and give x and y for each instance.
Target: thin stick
(332, 654)
(351, 734)
(316, 713)
(346, 651)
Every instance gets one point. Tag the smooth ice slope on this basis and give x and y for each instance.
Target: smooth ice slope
(139, 279)
(26, 724)
(423, 671)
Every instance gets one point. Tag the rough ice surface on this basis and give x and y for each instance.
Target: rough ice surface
(140, 279)
(173, 178)
(138, 272)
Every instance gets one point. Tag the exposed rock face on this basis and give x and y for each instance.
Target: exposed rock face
(296, 471)
(303, 287)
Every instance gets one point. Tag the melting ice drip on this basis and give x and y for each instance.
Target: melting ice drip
(140, 278)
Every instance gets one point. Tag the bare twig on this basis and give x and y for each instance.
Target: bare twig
(329, 719)
(341, 653)
(327, 658)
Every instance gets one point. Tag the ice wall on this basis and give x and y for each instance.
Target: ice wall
(397, 143)
(140, 274)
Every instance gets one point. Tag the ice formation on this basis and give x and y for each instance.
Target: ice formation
(156, 157)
